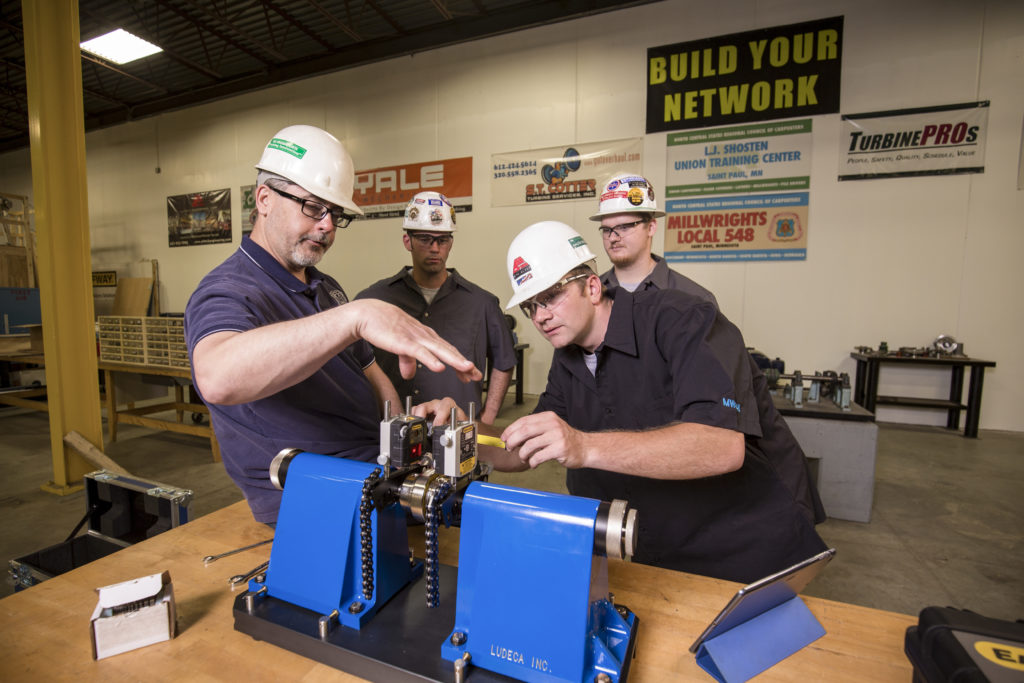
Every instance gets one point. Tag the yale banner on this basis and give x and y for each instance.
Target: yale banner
(384, 192)
(771, 73)
(914, 142)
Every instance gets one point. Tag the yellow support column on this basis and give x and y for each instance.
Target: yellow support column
(53, 72)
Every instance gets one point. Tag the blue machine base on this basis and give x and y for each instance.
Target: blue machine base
(401, 643)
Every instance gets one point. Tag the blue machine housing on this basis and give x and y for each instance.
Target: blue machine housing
(315, 561)
(532, 599)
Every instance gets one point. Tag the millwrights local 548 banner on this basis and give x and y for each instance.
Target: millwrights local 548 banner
(771, 73)
(914, 142)
(576, 171)
(738, 193)
(384, 192)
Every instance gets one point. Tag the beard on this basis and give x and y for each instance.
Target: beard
(306, 256)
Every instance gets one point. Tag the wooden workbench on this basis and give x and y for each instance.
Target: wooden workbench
(141, 416)
(46, 627)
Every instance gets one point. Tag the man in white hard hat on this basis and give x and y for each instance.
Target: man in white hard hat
(628, 213)
(463, 313)
(278, 354)
(650, 399)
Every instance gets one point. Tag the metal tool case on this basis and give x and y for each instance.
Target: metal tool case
(121, 511)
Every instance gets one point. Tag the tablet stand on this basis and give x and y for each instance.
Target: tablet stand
(759, 643)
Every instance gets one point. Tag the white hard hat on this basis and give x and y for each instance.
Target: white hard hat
(430, 211)
(314, 160)
(627, 193)
(541, 255)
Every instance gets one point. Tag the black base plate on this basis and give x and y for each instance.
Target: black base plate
(402, 642)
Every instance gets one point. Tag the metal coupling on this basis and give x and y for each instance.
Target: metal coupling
(615, 530)
(279, 466)
(414, 495)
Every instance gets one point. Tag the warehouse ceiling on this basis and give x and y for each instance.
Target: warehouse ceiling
(219, 48)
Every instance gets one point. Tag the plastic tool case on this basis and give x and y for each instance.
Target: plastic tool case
(121, 511)
(953, 645)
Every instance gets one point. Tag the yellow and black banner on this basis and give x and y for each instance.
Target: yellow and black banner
(771, 73)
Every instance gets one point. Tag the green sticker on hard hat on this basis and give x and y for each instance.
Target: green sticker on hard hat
(283, 145)
(577, 242)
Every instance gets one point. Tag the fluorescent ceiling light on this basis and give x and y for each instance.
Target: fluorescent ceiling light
(120, 47)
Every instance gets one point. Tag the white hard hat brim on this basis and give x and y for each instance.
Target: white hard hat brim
(601, 214)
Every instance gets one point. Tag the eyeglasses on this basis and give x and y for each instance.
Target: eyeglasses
(549, 298)
(317, 211)
(619, 230)
(425, 240)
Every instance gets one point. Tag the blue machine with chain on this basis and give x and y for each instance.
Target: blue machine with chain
(533, 600)
(532, 592)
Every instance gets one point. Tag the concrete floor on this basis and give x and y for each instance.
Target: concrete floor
(946, 527)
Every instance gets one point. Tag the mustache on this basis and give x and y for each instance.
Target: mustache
(319, 238)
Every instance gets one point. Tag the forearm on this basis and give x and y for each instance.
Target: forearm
(383, 389)
(497, 387)
(239, 367)
(681, 451)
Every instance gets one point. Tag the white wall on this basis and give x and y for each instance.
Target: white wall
(900, 260)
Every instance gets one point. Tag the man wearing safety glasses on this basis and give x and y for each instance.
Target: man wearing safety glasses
(464, 314)
(650, 399)
(279, 355)
(628, 213)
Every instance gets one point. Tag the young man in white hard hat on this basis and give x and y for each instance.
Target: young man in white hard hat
(277, 357)
(650, 399)
(628, 213)
(464, 314)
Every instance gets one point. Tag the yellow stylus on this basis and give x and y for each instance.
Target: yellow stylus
(489, 441)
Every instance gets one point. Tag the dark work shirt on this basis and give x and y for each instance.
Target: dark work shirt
(463, 314)
(333, 412)
(668, 357)
(777, 441)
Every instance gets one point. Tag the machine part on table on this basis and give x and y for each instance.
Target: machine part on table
(828, 384)
(615, 531)
(213, 558)
(948, 345)
(433, 519)
(365, 537)
(531, 564)
(460, 665)
(341, 582)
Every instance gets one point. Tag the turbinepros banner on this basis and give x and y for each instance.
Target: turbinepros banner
(914, 142)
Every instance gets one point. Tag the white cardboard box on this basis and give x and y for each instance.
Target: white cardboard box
(133, 614)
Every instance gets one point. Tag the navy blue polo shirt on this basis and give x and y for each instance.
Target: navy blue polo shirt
(466, 316)
(669, 357)
(333, 412)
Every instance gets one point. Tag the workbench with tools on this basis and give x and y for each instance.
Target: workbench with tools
(47, 626)
(499, 583)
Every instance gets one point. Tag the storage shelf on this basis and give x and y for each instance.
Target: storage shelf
(918, 402)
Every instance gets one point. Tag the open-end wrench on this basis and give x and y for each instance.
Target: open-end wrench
(242, 578)
(213, 558)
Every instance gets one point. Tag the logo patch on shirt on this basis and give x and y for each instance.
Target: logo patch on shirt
(729, 403)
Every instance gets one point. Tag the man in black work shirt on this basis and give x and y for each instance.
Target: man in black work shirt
(462, 313)
(650, 399)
